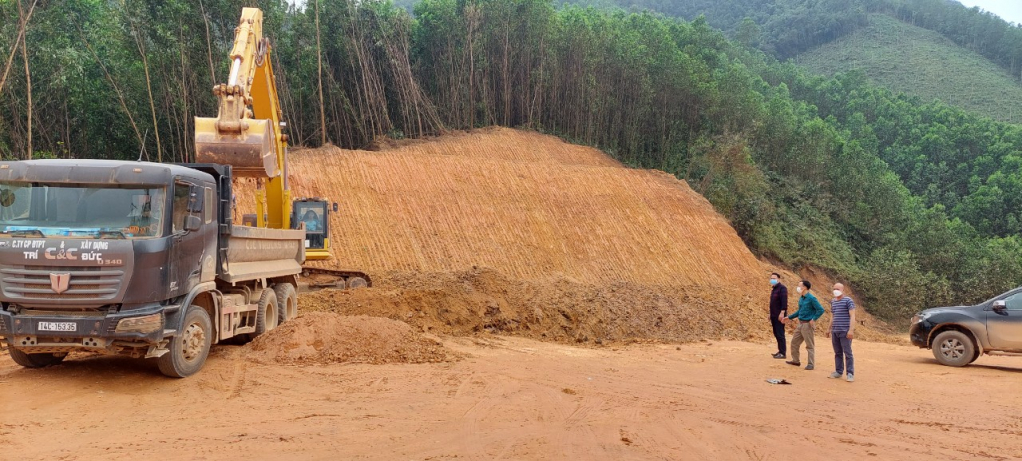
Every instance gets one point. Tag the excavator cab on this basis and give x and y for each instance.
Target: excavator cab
(314, 214)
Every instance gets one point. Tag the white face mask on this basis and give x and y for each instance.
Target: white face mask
(837, 293)
(798, 289)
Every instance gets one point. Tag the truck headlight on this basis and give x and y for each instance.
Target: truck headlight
(920, 317)
(145, 324)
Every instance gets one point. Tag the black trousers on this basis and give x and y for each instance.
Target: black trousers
(782, 345)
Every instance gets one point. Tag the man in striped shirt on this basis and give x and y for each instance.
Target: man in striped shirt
(842, 328)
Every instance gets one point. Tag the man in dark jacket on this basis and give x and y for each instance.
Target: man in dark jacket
(778, 310)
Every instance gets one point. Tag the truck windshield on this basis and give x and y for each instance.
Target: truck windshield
(81, 210)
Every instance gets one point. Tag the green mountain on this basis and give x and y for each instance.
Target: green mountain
(923, 63)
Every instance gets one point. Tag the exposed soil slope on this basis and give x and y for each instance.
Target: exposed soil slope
(518, 232)
(525, 204)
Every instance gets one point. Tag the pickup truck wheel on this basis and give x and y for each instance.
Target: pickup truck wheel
(36, 360)
(267, 314)
(954, 348)
(287, 301)
(190, 347)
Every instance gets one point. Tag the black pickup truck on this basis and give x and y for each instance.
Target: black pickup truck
(959, 335)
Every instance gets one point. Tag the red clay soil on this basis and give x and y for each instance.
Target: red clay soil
(517, 232)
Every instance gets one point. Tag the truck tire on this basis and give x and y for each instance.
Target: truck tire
(953, 348)
(190, 347)
(287, 301)
(36, 360)
(267, 314)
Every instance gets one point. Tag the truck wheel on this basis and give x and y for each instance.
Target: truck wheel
(36, 360)
(953, 348)
(190, 347)
(267, 314)
(287, 301)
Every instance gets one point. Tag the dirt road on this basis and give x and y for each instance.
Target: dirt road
(514, 398)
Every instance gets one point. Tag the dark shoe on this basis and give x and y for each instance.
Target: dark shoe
(797, 364)
(809, 367)
(780, 356)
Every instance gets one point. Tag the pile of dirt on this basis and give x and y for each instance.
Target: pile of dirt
(484, 300)
(324, 337)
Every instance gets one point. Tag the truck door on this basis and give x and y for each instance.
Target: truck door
(187, 245)
(1004, 325)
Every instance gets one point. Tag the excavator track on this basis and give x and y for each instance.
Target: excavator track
(318, 278)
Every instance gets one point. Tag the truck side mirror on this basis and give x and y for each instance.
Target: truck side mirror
(335, 207)
(999, 305)
(195, 199)
(193, 223)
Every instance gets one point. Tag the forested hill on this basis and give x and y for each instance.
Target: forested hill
(786, 28)
(915, 203)
(934, 49)
(921, 62)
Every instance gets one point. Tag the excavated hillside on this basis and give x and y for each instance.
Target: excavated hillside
(516, 232)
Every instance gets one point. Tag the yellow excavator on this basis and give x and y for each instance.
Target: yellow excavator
(247, 134)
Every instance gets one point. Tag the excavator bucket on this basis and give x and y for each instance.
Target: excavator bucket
(250, 150)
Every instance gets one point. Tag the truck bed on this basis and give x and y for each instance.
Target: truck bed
(254, 253)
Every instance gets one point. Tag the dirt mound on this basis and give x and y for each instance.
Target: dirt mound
(324, 337)
(484, 300)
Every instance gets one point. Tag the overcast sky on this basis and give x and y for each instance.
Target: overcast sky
(1009, 10)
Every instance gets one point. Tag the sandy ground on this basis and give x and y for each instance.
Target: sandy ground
(516, 398)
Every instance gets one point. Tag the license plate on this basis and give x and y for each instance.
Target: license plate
(58, 326)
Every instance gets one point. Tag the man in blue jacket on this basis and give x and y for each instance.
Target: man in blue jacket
(809, 309)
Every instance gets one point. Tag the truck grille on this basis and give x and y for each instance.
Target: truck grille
(85, 283)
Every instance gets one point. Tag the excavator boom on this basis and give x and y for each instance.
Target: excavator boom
(246, 132)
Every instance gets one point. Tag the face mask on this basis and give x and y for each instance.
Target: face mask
(837, 293)
(799, 289)
(773, 281)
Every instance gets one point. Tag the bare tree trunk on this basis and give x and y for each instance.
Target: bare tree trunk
(120, 94)
(209, 45)
(14, 48)
(28, 81)
(319, 59)
(472, 15)
(140, 43)
(185, 110)
(507, 72)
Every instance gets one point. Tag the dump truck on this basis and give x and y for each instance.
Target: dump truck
(145, 259)
(135, 258)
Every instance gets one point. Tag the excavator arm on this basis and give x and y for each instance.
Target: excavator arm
(246, 133)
